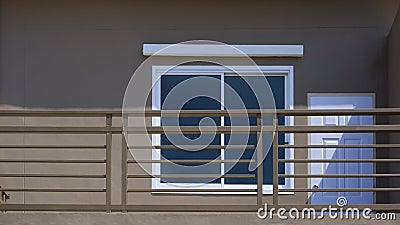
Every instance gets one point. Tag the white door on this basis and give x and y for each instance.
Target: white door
(341, 102)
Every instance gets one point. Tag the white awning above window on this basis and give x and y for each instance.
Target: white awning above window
(221, 50)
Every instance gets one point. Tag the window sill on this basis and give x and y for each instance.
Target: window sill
(265, 192)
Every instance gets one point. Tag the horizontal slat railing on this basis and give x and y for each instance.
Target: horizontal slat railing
(336, 190)
(191, 161)
(66, 176)
(52, 161)
(58, 130)
(193, 147)
(53, 175)
(108, 130)
(339, 160)
(192, 113)
(339, 129)
(52, 190)
(341, 146)
(192, 176)
(54, 146)
(178, 208)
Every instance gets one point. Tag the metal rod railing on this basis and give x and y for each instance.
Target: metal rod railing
(63, 147)
(361, 146)
(191, 190)
(193, 161)
(339, 160)
(257, 190)
(336, 175)
(52, 190)
(336, 190)
(260, 158)
(193, 147)
(38, 175)
(108, 160)
(275, 171)
(124, 166)
(52, 161)
(192, 176)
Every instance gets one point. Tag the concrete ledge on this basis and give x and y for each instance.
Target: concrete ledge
(161, 218)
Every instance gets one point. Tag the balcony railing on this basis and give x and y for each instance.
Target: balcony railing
(109, 130)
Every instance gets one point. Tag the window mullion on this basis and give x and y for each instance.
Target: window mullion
(222, 124)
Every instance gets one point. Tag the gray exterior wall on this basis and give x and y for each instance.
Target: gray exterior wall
(394, 93)
(60, 54)
(81, 54)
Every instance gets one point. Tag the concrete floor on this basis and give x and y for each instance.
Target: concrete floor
(162, 219)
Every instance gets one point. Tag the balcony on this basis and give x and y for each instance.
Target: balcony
(78, 160)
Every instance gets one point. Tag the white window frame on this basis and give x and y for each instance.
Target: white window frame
(162, 70)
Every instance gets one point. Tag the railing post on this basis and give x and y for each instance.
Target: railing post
(124, 164)
(259, 162)
(275, 171)
(108, 161)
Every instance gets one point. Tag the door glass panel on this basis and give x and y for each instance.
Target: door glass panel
(248, 97)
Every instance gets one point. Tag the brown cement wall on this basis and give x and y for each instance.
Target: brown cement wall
(394, 99)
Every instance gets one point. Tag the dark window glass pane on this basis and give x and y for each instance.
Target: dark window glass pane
(195, 103)
(277, 84)
(203, 103)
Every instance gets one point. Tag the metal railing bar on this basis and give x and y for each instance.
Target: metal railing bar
(339, 160)
(204, 129)
(53, 207)
(259, 171)
(179, 208)
(194, 147)
(337, 175)
(54, 175)
(133, 208)
(108, 160)
(190, 129)
(339, 112)
(55, 146)
(275, 171)
(51, 161)
(51, 190)
(255, 112)
(196, 129)
(53, 129)
(194, 161)
(61, 113)
(374, 207)
(188, 208)
(152, 113)
(242, 208)
(342, 146)
(340, 190)
(339, 129)
(197, 113)
(192, 176)
(124, 166)
(190, 190)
